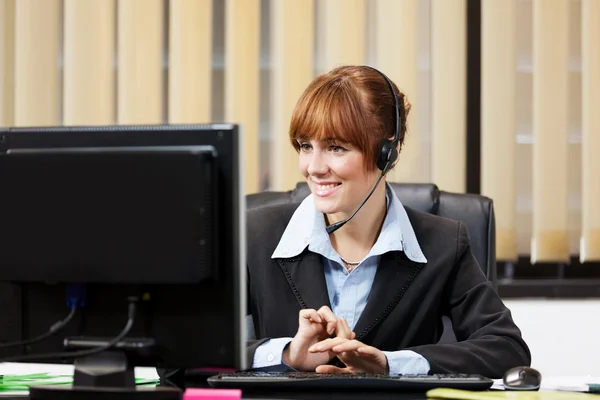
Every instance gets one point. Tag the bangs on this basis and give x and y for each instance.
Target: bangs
(330, 111)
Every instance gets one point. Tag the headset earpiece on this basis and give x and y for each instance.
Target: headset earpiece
(388, 149)
(388, 153)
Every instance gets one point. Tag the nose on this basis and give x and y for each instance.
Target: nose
(317, 165)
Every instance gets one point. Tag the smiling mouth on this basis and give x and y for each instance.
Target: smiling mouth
(324, 190)
(327, 186)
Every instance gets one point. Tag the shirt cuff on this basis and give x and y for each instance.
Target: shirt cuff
(407, 362)
(270, 352)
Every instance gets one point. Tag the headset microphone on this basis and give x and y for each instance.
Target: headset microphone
(387, 155)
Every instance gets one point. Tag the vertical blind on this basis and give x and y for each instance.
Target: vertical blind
(292, 60)
(242, 48)
(37, 86)
(550, 123)
(590, 147)
(89, 59)
(75, 62)
(498, 117)
(7, 62)
(448, 87)
(398, 28)
(538, 89)
(189, 57)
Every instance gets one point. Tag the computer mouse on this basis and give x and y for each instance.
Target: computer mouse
(522, 378)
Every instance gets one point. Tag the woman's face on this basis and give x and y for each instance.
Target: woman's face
(336, 175)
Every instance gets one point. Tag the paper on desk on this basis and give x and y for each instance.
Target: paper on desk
(455, 394)
(560, 383)
(62, 369)
(58, 370)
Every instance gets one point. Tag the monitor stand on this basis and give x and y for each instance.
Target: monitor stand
(106, 375)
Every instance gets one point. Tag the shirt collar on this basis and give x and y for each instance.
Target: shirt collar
(307, 228)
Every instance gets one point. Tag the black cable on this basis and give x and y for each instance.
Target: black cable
(337, 225)
(82, 353)
(369, 196)
(54, 329)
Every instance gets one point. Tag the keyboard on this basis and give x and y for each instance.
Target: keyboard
(314, 381)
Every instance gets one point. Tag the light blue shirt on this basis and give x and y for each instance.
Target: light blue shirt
(348, 292)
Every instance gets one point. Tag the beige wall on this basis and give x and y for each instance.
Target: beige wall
(544, 323)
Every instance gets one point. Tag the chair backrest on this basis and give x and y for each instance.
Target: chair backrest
(477, 212)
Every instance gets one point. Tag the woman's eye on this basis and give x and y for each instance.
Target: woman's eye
(336, 149)
(304, 147)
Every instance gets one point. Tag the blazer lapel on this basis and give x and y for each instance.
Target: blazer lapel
(394, 275)
(306, 278)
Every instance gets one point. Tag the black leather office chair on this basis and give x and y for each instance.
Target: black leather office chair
(474, 210)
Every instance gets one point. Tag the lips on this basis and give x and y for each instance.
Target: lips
(324, 189)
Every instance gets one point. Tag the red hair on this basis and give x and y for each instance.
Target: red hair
(350, 104)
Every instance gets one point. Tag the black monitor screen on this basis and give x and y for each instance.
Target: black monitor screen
(152, 212)
(119, 215)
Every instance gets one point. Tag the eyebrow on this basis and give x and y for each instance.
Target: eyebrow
(328, 140)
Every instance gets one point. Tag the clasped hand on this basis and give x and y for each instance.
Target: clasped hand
(322, 336)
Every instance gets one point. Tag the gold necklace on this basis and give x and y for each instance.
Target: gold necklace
(350, 265)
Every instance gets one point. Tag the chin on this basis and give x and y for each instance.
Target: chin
(325, 206)
(330, 207)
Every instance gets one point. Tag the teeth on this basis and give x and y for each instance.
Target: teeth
(326, 187)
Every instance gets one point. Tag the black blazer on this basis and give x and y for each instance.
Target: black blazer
(406, 303)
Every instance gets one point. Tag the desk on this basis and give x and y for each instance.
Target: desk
(549, 383)
(313, 395)
(336, 396)
(302, 396)
(150, 373)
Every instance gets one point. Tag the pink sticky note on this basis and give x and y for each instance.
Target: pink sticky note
(212, 394)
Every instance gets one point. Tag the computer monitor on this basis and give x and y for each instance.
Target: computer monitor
(111, 213)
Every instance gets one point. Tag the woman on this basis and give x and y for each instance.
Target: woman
(336, 290)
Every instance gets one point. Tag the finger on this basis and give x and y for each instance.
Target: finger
(353, 336)
(311, 315)
(326, 345)
(348, 345)
(331, 325)
(368, 350)
(342, 329)
(376, 356)
(331, 369)
(325, 310)
(351, 358)
(328, 315)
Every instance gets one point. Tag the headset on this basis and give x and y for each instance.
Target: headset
(387, 153)
(388, 149)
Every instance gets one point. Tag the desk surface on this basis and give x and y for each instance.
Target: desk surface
(303, 396)
(150, 373)
(548, 383)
